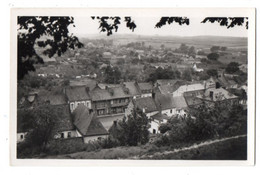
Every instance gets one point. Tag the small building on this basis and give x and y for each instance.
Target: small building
(87, 124)
(156, 121)
(218, 95)
(107, 55)
(170, 105)
(168, 86)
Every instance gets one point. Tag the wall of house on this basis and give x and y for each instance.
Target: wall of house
(174, 111)
(67, 134)
(93, 138)
(146, 95)
(154, 126)
(151, 114)
(74, 105)
(21, 136)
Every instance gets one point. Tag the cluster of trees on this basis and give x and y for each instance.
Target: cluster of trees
(160, 73)
(112, 75)
(232, 67)
(205, 123)
(131, 131)
(186, 49)
(218, 48)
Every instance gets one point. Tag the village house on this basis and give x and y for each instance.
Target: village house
(196, 69)
(110, 101)
(190, 90)
(169, 105)
(134, 89)
(146, 89)
(146, 105)
(78, 95)
(168, 86)
(87, 124)
(218, 95)
(156, 121)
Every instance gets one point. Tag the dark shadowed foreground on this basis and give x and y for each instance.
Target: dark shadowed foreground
(230, 149)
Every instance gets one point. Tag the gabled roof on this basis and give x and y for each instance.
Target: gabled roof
(219, 94)
(90, 83)
(87, 122)
(164, 101)
(77, 93)
(145, 86)
(146, 103)
(109, 93)
(192, 101)
(160, 117)
(191, 87)
(64, 121)
(133, 88)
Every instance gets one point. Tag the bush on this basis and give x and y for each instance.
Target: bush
(213, 56)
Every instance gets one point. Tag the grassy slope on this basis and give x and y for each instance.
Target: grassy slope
(234, 149)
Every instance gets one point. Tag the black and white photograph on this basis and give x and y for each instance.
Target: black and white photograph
(133, 84)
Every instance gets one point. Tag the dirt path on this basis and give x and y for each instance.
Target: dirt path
(195, 146)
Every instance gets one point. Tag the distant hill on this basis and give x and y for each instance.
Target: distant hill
(198, 41)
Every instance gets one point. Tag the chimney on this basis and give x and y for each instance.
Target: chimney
(211, 95)
(143, 110)
(115, 122)
(87, 89)
(153, 95)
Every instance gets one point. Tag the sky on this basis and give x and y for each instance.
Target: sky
(145, 26)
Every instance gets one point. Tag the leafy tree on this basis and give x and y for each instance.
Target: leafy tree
(213, 56)
(232, 67)
(112, 75)
(215, 48)
(163, 74)
(41, 123)
(228, 22)
(57, 39)
(192, 50)
(180, 20)
(132, 130)
(186, 75)
(201, 52)
(212, 72)
(223, 48)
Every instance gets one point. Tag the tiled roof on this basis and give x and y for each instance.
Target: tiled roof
(54, 97)
(64, 121)
(77, 93)
(146, 103)
(87, 123)
(168, 102)
(160, 117)
(219, 94)
(191, 87)
(192, 101)
(110, 93)
(133, 88)
(145, 86)
(90, 83)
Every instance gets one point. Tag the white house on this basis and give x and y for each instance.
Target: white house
(170, 105)
(156, 121)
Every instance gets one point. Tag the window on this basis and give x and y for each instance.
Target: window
(62, 135)
(100, 112)
(154, 131)
(171, 111)
(21, 136)
(69, 134)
